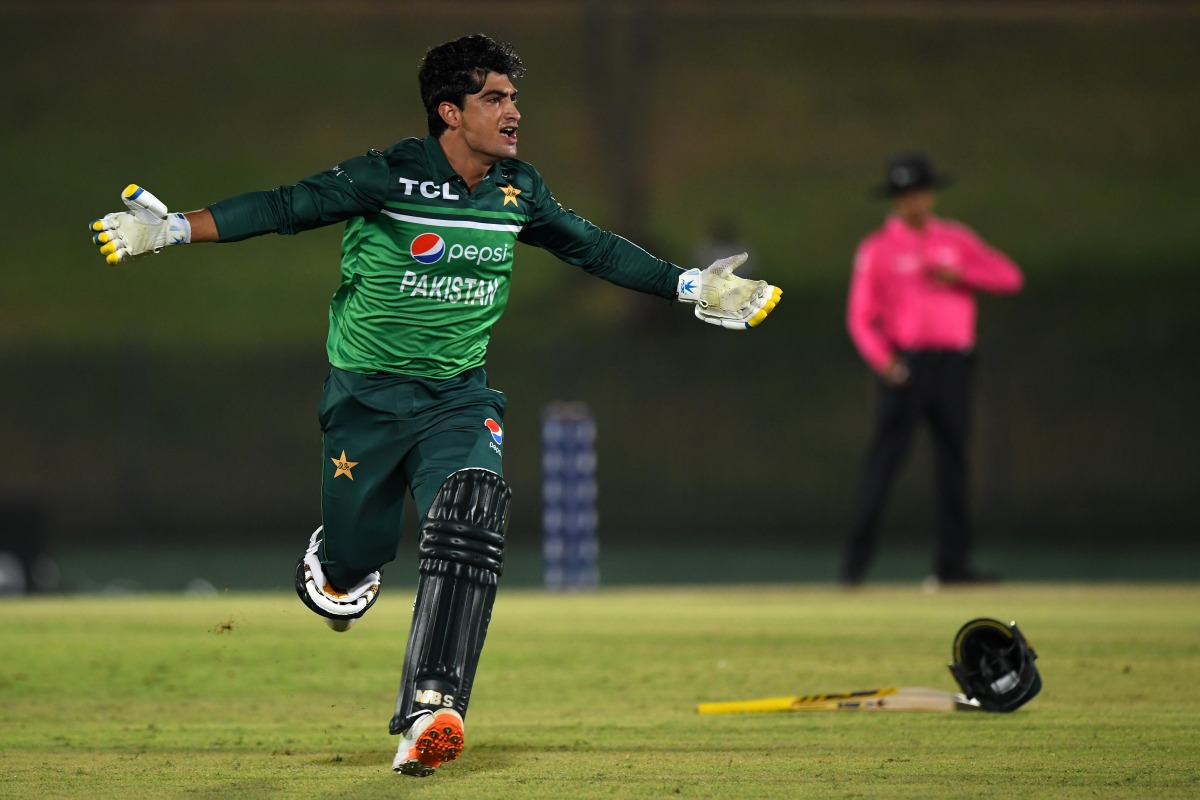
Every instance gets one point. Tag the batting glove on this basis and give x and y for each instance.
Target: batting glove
(147, 227)
(724, 299)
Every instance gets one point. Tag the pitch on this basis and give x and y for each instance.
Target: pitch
(595, 695)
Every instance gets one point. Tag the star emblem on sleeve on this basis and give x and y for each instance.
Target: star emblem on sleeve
(510, 194)
(343, 466)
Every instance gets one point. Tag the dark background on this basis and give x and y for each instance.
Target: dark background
(160, 417)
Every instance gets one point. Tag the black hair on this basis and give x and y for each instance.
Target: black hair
(451, 71)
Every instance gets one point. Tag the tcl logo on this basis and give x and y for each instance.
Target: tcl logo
(428, 189)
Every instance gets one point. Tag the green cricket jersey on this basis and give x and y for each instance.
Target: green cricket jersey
(425, 263)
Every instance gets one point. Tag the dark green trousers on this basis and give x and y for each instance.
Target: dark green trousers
(386, 435)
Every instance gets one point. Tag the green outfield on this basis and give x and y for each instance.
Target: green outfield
(248, 695)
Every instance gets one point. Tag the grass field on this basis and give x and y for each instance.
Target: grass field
(247, 695)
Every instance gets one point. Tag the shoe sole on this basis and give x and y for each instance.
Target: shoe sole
(442, 741)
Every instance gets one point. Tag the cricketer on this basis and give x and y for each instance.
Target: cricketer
(427, 254)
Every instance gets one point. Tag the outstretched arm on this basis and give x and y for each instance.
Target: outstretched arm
(204, 228)
(353, 188)
(721, 298)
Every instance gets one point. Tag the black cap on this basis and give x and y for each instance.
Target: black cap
(909, 171)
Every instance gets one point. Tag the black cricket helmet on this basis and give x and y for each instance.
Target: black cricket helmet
(993, 663)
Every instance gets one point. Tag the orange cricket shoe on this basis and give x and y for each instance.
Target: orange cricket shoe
(435, 738)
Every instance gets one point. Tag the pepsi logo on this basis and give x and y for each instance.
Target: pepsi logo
(428, 248)
(495, 429)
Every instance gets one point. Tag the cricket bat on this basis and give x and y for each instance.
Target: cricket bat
(887, 699)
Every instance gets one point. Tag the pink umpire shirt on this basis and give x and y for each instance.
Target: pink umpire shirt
(895, 303)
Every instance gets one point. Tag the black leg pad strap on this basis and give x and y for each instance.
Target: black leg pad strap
(462, 556)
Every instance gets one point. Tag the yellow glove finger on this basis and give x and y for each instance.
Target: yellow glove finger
(766, 309)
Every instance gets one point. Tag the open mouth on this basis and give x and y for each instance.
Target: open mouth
(509, 133)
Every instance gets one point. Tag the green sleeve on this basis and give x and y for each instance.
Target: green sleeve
(602, 253)
(354, 188)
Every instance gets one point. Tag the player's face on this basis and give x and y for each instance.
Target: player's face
(489, 119)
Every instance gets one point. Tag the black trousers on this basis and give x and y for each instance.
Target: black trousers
(938, 393)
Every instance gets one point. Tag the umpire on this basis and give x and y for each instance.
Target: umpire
(911, 314)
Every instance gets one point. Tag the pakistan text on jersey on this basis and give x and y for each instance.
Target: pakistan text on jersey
(449, 289)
